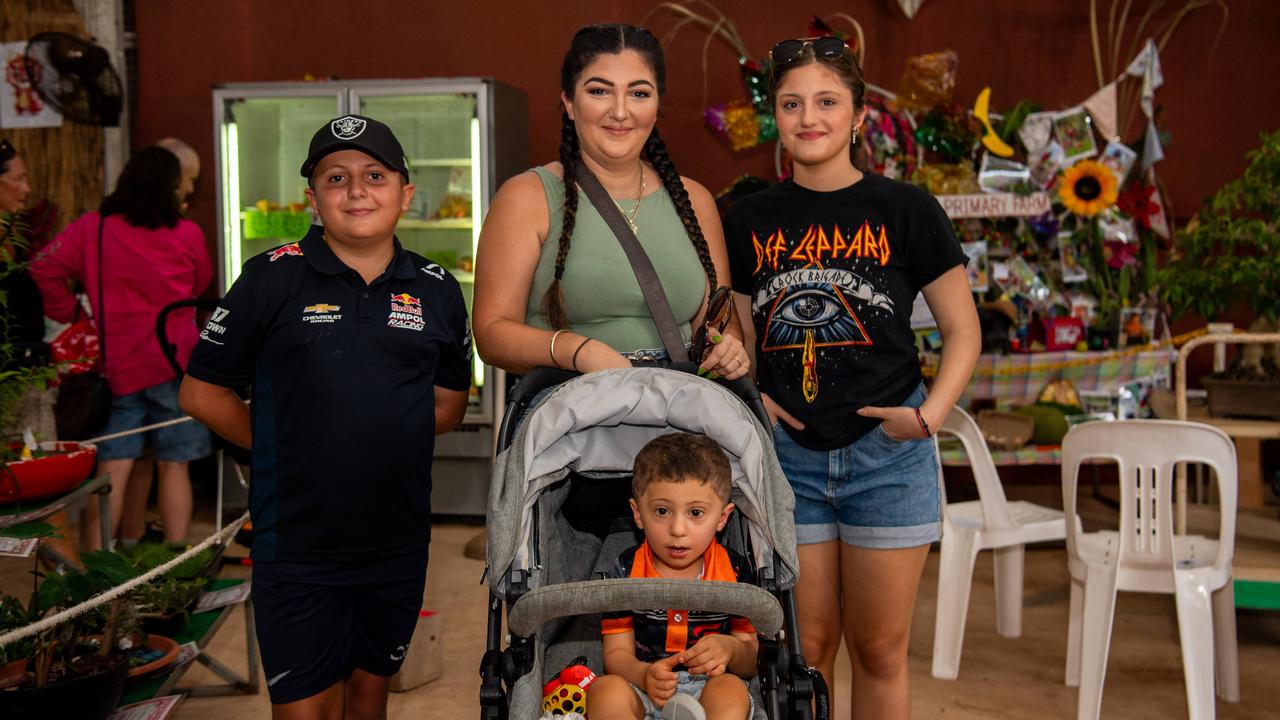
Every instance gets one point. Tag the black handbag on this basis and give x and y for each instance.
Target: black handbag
(84, 399)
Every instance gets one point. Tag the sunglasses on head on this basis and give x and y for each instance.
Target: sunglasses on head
(827, 47)
(719, 313)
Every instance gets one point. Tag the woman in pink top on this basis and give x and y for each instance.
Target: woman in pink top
(150, 257)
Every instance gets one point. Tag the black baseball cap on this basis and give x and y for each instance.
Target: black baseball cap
(356, 132)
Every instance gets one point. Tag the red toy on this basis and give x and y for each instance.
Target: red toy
(567, 692)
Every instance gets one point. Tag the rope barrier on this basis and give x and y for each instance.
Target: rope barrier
(120, 590)
(145, 428)
(135, 431)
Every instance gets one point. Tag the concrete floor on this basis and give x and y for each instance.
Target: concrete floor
(999, 677)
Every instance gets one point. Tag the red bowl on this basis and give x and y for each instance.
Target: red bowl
(43, 477)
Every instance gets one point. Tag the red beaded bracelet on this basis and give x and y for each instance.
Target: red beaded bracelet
(923, 425)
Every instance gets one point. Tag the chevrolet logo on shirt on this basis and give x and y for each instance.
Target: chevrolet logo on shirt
(321, 313)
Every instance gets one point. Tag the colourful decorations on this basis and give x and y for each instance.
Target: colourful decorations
(888, 134)
(741, 124)
(757, 81)
(1138, 202)
(948, 179)
(1087, 188)
(991, 141)
(928, 81)
(946, 132)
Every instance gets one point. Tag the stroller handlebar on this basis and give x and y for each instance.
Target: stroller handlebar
(540, 606)
(162, 328)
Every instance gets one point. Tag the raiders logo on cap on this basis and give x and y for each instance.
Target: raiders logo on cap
(347, 128)
(356, 132)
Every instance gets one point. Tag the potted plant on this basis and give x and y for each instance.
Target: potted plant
(18, 375)
(164, 604)
(76, 668)
(1226, 258)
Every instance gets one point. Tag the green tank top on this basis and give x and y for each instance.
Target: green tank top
(602, 296)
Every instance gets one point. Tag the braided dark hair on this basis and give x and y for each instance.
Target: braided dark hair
(553, 299)
(846, 68)
(656, 149)
(590, 42)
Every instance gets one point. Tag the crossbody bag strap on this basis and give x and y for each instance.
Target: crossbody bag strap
(102, 307)
(654, 296)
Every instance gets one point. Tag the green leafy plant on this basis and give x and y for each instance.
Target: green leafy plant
(15, 379)
(176, 591)
(1227, 255)
(82, 645)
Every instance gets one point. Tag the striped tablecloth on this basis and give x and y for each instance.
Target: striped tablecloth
(953, 454)
(1018, 378)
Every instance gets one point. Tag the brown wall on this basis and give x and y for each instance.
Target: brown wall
(1217, 96)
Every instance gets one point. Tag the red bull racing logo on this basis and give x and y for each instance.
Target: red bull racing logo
(406, 312)
(290, 249)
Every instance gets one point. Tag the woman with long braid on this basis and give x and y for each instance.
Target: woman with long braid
(553, 286)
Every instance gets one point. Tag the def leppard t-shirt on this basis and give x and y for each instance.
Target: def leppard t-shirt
(832, 277)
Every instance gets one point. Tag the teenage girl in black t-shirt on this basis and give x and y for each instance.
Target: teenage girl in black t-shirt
(828, 265)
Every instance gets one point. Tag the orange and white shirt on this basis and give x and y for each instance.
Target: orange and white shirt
(660, 633)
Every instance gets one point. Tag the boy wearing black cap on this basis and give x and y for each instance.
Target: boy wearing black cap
(358, 352)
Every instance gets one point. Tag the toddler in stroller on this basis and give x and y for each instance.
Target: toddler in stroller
(655, 658)
(559, 519)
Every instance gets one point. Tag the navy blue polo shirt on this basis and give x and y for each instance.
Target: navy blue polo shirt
(343, 377)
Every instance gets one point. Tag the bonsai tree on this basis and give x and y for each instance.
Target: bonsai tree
(1227, 255)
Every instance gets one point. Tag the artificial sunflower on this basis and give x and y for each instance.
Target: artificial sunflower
(1087, 188)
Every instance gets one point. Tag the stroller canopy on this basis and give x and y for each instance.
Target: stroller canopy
(595, 425)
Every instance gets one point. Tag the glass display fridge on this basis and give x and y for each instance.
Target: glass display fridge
(463, 137)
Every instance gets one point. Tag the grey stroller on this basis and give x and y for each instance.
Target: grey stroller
(558, 517)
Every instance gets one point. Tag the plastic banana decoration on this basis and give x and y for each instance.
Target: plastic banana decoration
(981, 110)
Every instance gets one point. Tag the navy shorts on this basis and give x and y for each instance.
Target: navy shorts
(183, 442)
(318, 621)
(875, 493)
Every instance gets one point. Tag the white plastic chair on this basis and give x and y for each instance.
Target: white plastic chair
(1146, 556)
(989, 523)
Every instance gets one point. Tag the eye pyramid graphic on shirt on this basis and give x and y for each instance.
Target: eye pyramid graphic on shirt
(809, 307)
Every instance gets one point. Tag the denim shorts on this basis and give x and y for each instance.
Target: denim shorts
(686, 684)
(183, 442)
(876, 493)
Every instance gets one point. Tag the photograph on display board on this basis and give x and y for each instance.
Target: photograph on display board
(1120, 158)
(1072, 270)
(977, 269)
(1137, 326)
(1084, 307)
(1046, 163)
(1075, 135)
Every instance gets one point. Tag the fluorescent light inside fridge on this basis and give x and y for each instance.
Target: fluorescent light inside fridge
(478, 207)
(231, 203)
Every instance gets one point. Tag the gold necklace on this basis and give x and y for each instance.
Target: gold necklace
(635, 230)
